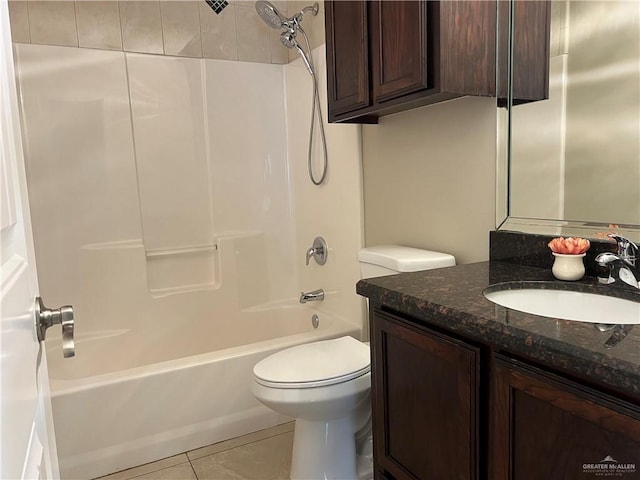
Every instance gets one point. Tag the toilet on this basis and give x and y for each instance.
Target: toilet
(326, 385)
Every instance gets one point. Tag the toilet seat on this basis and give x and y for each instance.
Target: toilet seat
(316, 364)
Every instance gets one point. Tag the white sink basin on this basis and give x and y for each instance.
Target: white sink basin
(579, 306)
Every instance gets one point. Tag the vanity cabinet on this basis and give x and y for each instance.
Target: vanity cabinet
(544, 426)
(444, 407)
(419, 434)
(384, 57)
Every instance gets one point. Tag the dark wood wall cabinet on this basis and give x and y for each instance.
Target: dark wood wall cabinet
(446, 408)
(384, 57)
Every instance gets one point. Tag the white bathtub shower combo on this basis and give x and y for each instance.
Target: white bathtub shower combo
(326, 385)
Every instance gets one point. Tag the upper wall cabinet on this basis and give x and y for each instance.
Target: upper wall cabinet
(385, 57)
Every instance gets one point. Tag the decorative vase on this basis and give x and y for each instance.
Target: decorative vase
(568, 267)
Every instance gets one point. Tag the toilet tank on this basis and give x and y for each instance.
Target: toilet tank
(384, 260)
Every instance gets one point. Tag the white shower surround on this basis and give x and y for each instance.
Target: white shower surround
(170, 202)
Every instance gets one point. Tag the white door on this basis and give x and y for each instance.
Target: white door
(27, 444)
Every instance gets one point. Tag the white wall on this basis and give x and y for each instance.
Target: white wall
(429, 178)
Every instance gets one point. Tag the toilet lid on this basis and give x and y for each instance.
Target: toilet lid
(315, 364)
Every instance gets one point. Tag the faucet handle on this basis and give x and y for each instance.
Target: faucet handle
(310, 253)
(626, 248)
(318, 251)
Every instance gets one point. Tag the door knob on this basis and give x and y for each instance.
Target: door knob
(46, 317)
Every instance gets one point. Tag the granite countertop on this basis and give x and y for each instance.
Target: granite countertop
(451, 298)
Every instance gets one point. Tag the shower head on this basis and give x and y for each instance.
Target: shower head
(288, 39)
(272, 17)
(270, 14)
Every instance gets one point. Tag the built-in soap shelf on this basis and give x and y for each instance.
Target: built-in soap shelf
(237, 258)
(179, 270)
(181, 251)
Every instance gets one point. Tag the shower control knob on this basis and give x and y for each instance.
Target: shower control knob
(318, 251)
(46, 317)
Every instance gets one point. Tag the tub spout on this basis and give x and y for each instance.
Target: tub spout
(315, 296)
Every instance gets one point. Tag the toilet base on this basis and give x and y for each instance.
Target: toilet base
(324, 450)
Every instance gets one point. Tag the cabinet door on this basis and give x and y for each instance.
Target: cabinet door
(346, 25)
(531, 43)
(467, 47)
(425, 390)
(546, 427)
(530, 29)
(399, 49)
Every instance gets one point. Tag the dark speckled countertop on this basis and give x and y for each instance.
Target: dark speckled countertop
(451, 299)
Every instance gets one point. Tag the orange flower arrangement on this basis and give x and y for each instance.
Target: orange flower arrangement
(569, 245)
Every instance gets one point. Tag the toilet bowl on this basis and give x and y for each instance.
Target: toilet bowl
(326, 387)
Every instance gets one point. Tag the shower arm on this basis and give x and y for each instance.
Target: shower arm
(293, 23)
(297, 17)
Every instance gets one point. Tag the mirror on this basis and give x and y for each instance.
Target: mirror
(574, 159)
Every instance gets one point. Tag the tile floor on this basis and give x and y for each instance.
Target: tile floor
(263, 455)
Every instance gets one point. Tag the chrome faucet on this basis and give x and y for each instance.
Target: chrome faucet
(622, 264)
(315, 296)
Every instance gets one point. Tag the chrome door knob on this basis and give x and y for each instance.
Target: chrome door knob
(46, 317)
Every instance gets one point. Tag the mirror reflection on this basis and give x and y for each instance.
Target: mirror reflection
(576, 156)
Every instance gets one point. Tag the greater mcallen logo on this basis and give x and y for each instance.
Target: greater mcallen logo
(608, 467)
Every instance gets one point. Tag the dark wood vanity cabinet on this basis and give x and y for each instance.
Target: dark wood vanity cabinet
(544, 426)
(446, 408)
(425, 400)
(388, 56)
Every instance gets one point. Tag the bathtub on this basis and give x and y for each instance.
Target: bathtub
(131, 397)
